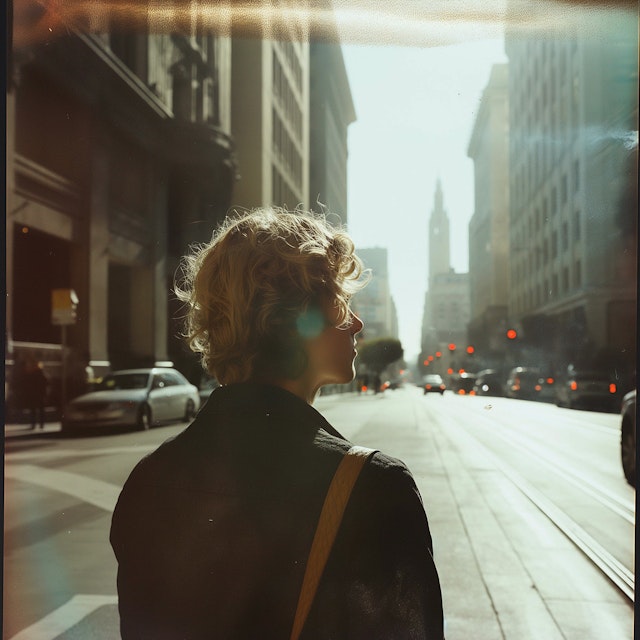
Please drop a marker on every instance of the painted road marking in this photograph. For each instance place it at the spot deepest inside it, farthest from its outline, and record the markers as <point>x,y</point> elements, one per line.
<point>78,453</point>
<point>64,617</point>
<point>103,495</point>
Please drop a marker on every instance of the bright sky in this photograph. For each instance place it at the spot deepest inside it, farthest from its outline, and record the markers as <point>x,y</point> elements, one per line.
<point>415,111</point>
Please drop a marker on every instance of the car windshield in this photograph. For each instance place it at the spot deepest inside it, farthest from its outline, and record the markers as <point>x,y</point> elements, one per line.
<point>122,381</point>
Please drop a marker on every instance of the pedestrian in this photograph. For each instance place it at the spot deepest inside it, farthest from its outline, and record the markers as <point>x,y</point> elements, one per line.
<point>34,390</point>
<point>212,531</point>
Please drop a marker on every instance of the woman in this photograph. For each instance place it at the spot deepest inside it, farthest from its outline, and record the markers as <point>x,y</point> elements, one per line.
<point>212,531</point>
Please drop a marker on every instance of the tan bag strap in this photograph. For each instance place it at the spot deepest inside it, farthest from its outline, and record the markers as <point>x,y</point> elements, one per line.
<point>333,508</point>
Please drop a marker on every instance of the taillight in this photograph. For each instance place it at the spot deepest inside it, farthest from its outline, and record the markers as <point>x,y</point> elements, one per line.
<point>472,392</point>
<point>538,387</point>
<point>612,388</point>
<point>550,380</point>
<point>428,387</point>
<point>461,392</point>
<point>573,385</point>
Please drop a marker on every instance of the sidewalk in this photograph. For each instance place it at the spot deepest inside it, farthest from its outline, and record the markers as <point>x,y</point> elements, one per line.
<point>24,430</point>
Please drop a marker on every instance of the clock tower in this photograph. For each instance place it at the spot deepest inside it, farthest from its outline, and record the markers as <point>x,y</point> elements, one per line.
<point>439,260</point>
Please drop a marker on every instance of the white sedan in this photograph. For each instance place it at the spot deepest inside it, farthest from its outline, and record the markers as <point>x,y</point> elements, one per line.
<point>134,397</point>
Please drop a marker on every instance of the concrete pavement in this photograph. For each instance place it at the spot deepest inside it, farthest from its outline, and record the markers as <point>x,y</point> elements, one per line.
<point>507,573</point>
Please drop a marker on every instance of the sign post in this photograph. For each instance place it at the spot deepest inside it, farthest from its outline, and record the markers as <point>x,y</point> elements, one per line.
<point>63,312</point>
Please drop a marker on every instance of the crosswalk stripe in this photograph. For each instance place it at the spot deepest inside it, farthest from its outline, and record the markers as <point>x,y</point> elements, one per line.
<point>96,492</point>
<point>52,454</point>
<point>64,617</point>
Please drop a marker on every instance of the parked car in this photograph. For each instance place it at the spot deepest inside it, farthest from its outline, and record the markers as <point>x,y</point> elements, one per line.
<point>433,383</point>
<point>489,382</point>
<point>545,388</point>
<point>521,383</point>
<point>463,383</point>
<point>628,437</point>
<point>393,384</point>
<point>588,389</point>
<point>134,398</point>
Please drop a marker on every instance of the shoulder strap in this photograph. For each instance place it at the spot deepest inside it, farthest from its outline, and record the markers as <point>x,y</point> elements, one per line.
<point>333,508</point>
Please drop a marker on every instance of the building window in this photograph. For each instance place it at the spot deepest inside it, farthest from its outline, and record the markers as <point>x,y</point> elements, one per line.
<point>565,236</point>
<point>576,175</point>
<point>554,244</point>
<point>564,189</point>
<point>565,279</point>
<point>576,225</point>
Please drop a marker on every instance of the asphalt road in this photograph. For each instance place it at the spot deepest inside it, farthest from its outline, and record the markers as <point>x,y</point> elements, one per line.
<point>506,484</point>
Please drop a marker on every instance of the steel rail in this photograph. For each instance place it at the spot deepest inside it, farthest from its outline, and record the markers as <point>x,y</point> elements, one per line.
<point>577,479</point>
<point>621,577</point>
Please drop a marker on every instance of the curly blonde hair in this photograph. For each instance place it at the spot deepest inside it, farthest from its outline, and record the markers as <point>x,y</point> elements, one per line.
<point>246,290</point>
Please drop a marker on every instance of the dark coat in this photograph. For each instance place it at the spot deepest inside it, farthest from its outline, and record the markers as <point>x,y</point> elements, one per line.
<point>212,532</point>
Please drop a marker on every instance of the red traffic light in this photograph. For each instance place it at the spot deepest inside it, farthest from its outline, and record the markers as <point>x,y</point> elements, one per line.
<point>452,347</point>
<point>470,349</point>
<point>511,334</point>
<point>430,358</point>
<point>438,354</point>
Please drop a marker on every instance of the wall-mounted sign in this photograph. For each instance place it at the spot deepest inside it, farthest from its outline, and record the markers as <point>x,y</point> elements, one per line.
<point>63,306</point>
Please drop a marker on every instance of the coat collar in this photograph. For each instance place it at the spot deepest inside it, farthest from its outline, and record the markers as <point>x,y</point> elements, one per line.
<point>264,401</point>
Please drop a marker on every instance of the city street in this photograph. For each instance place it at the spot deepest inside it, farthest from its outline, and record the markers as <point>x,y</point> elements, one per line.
<point>532,519</point>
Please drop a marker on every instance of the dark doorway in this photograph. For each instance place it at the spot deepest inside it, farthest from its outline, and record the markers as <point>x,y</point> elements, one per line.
<point>41,262</point>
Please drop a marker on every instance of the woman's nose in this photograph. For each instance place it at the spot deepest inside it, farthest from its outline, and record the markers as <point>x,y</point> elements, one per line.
<point>356,324</point>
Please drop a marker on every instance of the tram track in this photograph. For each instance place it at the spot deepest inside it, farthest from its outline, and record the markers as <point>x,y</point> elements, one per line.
<point>615,571</point>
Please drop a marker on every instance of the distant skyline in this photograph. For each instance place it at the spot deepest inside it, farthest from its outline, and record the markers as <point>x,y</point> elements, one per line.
<point>415,111</point>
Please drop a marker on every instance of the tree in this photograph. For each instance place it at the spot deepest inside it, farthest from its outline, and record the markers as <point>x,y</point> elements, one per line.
<point>380,353</point>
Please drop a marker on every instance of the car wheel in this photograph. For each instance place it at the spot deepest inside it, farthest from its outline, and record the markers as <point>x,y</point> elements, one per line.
<point>144,418</point>
<point>628,454</point>
<point>190,411</point>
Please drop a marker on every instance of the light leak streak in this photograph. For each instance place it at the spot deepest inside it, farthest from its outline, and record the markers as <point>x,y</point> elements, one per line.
<point>403,22</point>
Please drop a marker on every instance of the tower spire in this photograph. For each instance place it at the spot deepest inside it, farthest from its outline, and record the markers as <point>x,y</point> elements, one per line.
<point>439,259</point>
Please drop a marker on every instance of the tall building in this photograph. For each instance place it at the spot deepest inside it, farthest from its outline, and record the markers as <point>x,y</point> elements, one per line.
<point>270,97</point>
<point>489,225</point>
<point>331,113</point>
<point>119,155</point>
<point>439,240</point>
<point>446,308</point>
<point>374,303</point>
<point>573,119</point>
